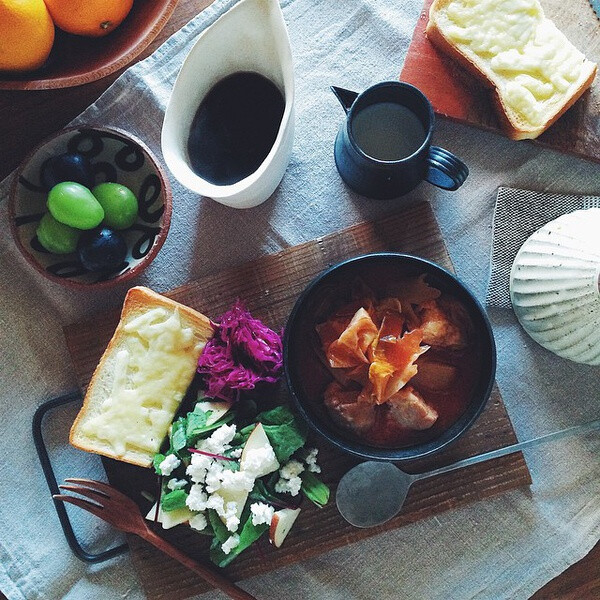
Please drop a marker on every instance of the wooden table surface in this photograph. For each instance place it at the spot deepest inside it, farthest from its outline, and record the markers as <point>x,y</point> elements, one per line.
<point>28,117</point>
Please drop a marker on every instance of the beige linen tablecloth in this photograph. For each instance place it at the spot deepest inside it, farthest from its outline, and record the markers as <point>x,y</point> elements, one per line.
<point>504,548</point>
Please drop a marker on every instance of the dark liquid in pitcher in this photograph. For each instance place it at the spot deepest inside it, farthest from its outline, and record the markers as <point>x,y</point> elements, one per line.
<point>387,131</point>
<point>235,128</point>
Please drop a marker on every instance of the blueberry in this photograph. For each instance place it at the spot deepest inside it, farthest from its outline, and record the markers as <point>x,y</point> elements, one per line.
<point>101,249</point>
<point>67,167</point>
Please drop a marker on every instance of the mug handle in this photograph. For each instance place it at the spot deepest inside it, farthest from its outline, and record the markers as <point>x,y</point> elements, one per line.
<point>446,171</point>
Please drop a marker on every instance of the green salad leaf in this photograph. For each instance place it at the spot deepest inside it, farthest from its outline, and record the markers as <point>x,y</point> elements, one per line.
<point>221,532</point>
<point>285,431</point>
<point>314,489</point>
<point>248,535</point>
<point>178,435</point>
<point>196,421</point>
<point>186,431</point>
<point>158,458</point>
<point>264,492</point>
<point>173,500</point>
<point>242,435</point>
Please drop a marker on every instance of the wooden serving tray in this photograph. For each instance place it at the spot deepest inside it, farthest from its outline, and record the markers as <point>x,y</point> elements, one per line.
<point>458,95</point>
<point>270,286</point>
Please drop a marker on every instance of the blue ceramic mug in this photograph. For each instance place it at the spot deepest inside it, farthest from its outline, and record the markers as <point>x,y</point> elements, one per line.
<point>383,149</point>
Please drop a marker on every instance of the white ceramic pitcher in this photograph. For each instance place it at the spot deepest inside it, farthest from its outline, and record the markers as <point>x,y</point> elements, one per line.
<point>251,36</point>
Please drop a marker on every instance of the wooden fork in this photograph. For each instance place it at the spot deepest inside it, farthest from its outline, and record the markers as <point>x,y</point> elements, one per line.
<point>123,513</point>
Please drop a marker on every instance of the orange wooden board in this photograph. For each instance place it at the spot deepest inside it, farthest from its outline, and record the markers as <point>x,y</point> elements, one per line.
<point>270,286</point>
<point>458,95</point>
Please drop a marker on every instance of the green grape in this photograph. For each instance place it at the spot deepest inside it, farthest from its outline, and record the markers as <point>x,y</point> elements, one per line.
<point>119,203</point>
<point>73,204</point>
<point>57,237</point>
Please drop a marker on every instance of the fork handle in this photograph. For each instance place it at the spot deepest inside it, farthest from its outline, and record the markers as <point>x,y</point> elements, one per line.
<point>209,575</point>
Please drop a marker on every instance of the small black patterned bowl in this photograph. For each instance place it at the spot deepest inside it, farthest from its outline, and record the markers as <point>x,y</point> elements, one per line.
<point>116,156</point>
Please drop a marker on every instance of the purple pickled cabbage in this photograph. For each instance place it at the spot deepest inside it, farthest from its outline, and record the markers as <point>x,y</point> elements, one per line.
<point>243,353</point>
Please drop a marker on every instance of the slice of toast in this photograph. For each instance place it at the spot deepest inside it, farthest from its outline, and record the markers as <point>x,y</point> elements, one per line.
<point>535,72</point>
<point>141,379</point>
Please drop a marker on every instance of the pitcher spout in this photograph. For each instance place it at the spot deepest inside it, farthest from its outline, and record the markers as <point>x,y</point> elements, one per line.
<point>346,97</point>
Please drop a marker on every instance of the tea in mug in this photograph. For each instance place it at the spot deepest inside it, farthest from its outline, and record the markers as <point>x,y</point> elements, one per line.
<point>387,131</point>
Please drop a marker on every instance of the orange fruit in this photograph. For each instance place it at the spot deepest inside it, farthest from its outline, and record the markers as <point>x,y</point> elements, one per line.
<point>26,34</point>
<point>93,18</point>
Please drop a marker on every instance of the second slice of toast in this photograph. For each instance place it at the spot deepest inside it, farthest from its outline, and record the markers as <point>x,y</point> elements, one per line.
<point>534,70</point>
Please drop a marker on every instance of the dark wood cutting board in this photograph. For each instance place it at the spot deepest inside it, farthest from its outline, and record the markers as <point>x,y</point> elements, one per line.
<point>270,286</point>
<point>458,95</point>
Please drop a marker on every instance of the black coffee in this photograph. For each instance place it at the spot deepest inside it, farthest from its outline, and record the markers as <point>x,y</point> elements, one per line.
<point>387,131</point>
<point>235,128</point>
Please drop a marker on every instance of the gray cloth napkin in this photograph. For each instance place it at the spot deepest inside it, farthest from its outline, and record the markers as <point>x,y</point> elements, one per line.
<point>518,214</point>
<point>503,548</point>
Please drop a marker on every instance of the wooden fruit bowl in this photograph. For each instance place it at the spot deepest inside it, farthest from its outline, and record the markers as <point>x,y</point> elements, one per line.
<point>76,60</point>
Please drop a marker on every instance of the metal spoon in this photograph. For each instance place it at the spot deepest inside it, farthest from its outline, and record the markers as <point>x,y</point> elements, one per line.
<point>390,485</point>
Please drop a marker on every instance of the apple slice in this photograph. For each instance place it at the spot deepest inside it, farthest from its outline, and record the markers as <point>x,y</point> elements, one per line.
<point>281,524</point>
<point>218,409</point>
<point>257,440</point>
<point>170,518</point>
<point>237,496</point>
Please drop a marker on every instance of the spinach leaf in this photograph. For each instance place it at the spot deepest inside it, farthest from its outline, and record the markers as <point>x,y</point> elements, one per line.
<point>173,500</point>
<point>314,489</point>
<point>221,532</point>
<point>280,415</point>
<point>196,420</point>
<point>241,437</point>
<point>285,432</point>
<point>197,426</point>
<point>262,493</point>
<point>178,437</point>
<point>158,458</point>
<point>248,535</point>
<point>186,431</point>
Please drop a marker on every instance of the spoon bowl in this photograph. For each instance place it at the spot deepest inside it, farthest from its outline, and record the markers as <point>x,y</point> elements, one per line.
<point>385,481</point>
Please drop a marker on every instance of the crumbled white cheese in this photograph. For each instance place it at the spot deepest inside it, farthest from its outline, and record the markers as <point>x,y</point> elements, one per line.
<point>261,513</point>
<point>293,468</point>
<point>236,480</point>
<point>230,515</point>
<point>176,484</point>
<point>198,522</point>
<point>197,498</point>
<point>197,473</point>
<point>216,502</point>
<point>213,477</point>
<point>232,523</point>
<point>169,463</point>
<point>311,460</point>
<point>236,453</point>
<point>219,441</point>
<point>261,460</point>
<point>230,543</point>
<point>289,486</point>
<point>201,461</point>
<point>289,478</point>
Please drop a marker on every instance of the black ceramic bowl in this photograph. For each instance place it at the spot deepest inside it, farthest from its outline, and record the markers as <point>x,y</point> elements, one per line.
<point>307,377</point>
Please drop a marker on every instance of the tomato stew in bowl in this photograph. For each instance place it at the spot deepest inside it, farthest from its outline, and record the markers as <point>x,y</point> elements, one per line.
<point>389,356</point>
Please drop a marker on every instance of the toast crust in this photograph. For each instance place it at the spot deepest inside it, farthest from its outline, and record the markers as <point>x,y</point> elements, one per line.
<point>138,300</point>
<point>512,127</point>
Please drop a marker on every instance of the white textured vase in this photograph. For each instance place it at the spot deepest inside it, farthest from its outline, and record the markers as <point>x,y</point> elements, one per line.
<point>251,36</point>
<point>554,286</point>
